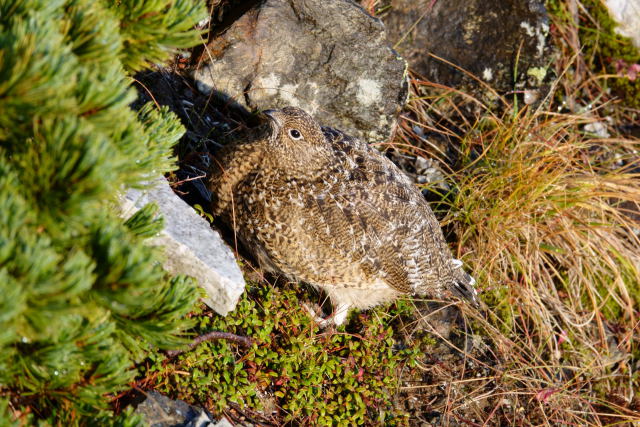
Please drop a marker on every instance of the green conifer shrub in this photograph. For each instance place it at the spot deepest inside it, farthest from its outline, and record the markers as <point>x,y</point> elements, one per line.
<point>81,295</point>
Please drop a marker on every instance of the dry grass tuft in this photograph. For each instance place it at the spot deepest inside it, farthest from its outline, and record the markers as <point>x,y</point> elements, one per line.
<point>547,216</point>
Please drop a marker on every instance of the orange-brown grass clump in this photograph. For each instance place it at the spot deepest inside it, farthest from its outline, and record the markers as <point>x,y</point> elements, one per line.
<point>547,216</point>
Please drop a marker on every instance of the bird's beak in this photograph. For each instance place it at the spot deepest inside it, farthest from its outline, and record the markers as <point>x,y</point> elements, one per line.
<point>274,117</point>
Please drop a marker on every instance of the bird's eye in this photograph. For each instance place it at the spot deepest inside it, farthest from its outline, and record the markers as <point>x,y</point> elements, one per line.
<point>295,133</point>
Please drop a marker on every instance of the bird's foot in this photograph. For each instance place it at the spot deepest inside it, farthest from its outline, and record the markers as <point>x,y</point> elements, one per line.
<point>336,319</point>
<point>314,311</point>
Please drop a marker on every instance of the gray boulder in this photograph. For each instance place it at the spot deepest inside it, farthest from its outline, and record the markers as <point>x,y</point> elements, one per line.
<point>327,57</point>
<point>191,246</point>
<point>492,39</point>
<point>160,411</point>
<point>627,14</point>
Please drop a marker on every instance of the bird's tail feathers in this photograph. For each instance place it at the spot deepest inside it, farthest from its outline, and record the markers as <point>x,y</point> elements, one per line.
<point>463,284</point>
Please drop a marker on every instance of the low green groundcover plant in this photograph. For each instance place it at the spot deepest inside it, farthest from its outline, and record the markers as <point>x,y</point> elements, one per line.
<point>303,374</point>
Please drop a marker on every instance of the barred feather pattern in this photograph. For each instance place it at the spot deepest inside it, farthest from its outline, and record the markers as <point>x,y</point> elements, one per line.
<point>324,208</point>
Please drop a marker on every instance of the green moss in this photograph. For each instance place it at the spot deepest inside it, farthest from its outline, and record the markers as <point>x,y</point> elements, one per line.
<point>602,48</point>
<point>499,301</point>
<point>310,376</point>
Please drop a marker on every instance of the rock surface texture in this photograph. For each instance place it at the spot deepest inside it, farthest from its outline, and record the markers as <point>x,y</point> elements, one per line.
<point>191,246</point>
<point>327,57</point>
<point>160,411</point>
<point>627,15</point>
<point>489,38</point>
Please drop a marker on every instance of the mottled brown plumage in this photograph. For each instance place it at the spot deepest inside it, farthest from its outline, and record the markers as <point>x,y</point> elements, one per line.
<point>323,208</point>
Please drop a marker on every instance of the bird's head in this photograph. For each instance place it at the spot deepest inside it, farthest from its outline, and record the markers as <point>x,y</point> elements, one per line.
<point>292,131</point>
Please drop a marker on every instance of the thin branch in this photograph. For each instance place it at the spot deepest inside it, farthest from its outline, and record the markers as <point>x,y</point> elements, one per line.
<point>210,336</point>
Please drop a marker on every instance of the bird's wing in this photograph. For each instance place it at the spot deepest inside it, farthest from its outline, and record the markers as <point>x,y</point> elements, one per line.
<point>367,214</point>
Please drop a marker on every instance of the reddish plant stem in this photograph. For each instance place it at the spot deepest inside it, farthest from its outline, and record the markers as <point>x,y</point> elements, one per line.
<point>210,336</point>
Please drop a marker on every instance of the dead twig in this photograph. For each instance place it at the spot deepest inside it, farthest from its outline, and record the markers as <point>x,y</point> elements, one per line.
<point>210,336</point>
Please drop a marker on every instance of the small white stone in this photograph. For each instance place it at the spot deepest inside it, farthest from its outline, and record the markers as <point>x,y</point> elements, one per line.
<point>487,74</point>
<point>531,96</point>
<point>599,129</point>
<point>627,14</point>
